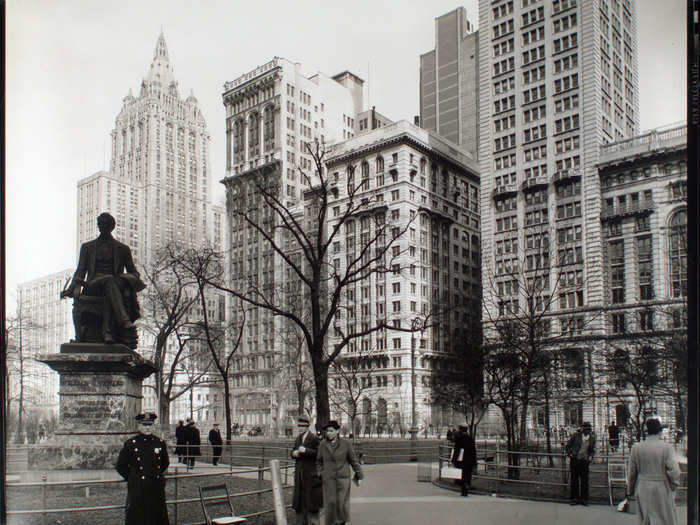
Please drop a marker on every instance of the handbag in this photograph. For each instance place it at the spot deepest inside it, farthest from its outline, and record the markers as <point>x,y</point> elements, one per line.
<point>622,506</point>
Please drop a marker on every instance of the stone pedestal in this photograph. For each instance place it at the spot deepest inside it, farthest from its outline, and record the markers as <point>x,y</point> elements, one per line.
<point>99,396</point>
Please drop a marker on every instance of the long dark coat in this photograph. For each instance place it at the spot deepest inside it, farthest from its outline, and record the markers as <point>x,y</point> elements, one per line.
<point>216,442</point>
<point>180,449</point>
<point>464,446</point>
<point>308,495</point>
<point>192,441</point>
<point>334,461</point>
<point>142,462</point>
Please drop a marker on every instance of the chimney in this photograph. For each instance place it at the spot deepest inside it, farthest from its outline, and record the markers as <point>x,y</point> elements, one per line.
<point>374,118</point>
<point>416,120</point>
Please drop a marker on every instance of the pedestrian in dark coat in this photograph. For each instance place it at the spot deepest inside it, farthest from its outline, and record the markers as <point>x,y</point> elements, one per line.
<point>654,475</point>
<point>142,462</point>
<point>216,442</point>
<point>192,442</point>
<point>308,495</point>
<point>180,448</point>
<point>613,436</point>
<point>580,449</point>
<point>335,457</point>
<point>464,457</point>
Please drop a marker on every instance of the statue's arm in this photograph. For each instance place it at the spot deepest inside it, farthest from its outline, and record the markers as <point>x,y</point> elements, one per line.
<point>129,262</point>
<point>79,274</point>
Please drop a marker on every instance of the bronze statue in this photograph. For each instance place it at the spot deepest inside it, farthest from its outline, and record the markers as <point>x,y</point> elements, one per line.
<point>108,292</point>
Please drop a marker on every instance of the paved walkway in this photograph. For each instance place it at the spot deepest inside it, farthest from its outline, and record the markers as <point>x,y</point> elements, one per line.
<point>390,495</point>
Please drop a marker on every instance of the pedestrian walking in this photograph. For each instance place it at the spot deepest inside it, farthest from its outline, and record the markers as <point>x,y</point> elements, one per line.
<point>192,443</point>
<point>308,494</point>
<point>580,449</point>
<point>180,448</point>
<point>464,457</point>
<point>142,462</point>
<point>654,475</point>
<point>335,457</point>
<point>613,436</point>
<point>216,442</point>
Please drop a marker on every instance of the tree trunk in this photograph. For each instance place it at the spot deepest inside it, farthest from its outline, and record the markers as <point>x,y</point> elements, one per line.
<point>547,422</point>
<point>164,409</point>
<point>323,410</point>
<point>227,407</point>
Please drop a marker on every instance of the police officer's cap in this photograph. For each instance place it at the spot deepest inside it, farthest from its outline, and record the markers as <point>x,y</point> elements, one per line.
<point>147,417</point>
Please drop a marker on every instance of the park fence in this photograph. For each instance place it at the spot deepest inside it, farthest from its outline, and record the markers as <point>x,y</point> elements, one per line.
<point>182,498</point>
<point>532,474</point>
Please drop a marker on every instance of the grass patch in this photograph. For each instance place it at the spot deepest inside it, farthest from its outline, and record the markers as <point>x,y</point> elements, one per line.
<point>22,498</point>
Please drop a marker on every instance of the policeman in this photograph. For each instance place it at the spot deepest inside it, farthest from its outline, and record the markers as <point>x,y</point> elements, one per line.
<point>142,462</point>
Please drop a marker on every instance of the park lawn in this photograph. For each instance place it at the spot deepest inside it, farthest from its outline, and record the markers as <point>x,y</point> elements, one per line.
<point>21,498</point>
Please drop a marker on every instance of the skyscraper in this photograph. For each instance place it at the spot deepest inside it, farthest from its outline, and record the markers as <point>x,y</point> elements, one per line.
<point>159,185</point>
<point>449,82</point>
<point>271,113</point>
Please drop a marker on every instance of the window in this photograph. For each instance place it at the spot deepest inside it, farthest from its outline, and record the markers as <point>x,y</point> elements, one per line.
<point>644,265</point>
<point>646,320</point>
<point>678,254</point>
<point>616,259</point>
<point>618,323</point>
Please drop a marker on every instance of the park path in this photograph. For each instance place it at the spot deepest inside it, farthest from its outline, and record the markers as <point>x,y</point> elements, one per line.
<point>390,495</point>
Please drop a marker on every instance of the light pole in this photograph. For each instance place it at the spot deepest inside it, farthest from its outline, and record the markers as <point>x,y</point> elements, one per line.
<point>415,325</point>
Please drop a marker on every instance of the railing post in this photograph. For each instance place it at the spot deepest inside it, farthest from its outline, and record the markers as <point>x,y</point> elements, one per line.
<point>176,497</point>
<point>44,477</point>
<point>278,502</point>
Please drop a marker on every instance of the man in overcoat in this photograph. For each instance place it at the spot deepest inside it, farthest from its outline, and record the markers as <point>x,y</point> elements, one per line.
<point>654,474</point>
<point>216,442</point>
<point>580,449</point>
<point>192,443</point>
<point>464,457</point>
<point>335,457</point>
<point>308,496</point>
<point>111,274</point>
<point>180,448</point>
<point>142,462</point>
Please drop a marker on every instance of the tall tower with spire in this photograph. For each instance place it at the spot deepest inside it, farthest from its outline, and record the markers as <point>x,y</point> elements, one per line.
<point>159,184</point>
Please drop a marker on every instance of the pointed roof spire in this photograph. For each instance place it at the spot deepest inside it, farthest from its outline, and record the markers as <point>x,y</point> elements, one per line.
<point>161,47</point>
<point>161,70</point>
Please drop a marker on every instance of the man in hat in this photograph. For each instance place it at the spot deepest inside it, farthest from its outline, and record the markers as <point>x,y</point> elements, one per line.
<point>216,442</point>
<point>192,443</point>
<point>464,457</point>
<point>142,462</point>
<point>335,457</point>
<point>180,448</point>
<point>307,484</point>
<point>580,449</point>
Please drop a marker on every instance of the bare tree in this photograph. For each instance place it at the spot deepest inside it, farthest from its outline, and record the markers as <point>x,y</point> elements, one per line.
<point>523,350</point>
<point>169,306</point>
<point>20,330</point>
<point>301,238</point>
<point>205,266</point>
<point>462,387</point>
<point>353,380</point>
<point>294,368</point>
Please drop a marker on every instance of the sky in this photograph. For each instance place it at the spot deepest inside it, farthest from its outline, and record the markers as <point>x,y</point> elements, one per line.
<point>70,63</point>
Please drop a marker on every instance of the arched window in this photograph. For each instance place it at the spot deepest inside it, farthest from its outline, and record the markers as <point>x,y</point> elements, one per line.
<point>422,166</point>
<point>365,169</point>
<point>253,135</point>
<point>269,128</point>
<point>380,164</point>
<point>678,254</point>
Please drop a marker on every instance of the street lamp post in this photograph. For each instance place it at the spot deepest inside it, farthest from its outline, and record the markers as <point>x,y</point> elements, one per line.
<point>415,325</point>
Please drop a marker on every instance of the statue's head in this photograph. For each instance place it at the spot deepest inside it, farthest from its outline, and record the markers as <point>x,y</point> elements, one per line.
<point>105,223</point>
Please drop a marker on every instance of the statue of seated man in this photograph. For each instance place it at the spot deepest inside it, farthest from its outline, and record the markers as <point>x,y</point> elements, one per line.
<point>111,275</point>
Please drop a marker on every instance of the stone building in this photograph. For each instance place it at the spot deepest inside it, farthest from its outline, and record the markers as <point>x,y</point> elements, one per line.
<point>47,322</point>
<point>272,113</point>
<point>449,82</point>
<point>427,190</point>
<point>644,224</point>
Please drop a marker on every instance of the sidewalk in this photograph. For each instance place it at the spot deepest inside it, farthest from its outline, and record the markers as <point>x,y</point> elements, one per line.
<point>390,495</point>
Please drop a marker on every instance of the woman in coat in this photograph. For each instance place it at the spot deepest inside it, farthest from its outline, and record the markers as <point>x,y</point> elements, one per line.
<point>654,474</point>
<point>335,457</point>
<point>464,457</point>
